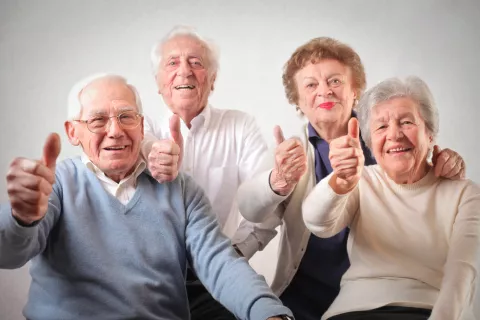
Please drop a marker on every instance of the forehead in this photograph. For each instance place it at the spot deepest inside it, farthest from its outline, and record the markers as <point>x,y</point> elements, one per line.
<point>184,45</point>
<point>323,68</point>
<point>395,108</point>
<point>107,95</point>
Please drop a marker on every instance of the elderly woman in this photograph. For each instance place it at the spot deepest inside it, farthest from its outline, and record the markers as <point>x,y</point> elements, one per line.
<point>414,237</point>
<point>323,79</point>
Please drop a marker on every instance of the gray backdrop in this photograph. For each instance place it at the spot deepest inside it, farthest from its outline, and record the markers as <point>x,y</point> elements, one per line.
<point>45,46</point>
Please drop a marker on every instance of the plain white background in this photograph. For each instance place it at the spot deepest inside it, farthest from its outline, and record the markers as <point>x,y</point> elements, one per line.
<point>45,46</point>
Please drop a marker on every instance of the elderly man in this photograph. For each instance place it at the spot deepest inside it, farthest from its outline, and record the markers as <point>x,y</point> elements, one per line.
<point>106,240</point>
<point>221,148</point>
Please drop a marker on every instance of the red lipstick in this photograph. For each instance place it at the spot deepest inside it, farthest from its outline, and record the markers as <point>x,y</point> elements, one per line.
<point>327,105</point>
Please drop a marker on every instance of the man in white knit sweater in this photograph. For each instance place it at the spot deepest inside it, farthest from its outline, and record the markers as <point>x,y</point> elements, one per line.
<point>414,239</point>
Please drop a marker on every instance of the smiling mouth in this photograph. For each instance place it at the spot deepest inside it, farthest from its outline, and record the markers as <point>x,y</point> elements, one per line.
<point>185,87</point>
<point>398,150</point>
<point>115,148</point>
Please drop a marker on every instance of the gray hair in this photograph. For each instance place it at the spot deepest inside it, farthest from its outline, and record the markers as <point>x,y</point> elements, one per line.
<point>187,31</point>
<point>413,88</point>
<point>74,105</point>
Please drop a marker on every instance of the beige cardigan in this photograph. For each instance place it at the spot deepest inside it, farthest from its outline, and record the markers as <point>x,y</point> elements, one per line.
<point>258,203</point>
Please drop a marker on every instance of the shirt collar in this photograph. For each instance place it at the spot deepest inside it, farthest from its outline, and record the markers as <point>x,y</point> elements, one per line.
<point>201,120</point>
<point>139,167</point>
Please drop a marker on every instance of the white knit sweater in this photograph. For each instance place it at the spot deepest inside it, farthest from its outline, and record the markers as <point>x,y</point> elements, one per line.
<point>410,245</point>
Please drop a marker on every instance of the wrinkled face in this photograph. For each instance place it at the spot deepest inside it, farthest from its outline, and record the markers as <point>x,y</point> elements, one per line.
<point>400,139</point>
<point>325,90</point>
<point>183,78</point>
<point>115,150</point>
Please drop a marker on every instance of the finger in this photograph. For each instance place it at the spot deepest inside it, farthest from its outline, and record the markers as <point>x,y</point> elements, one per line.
<point>341,142</point>
<point>164,147</point>
<point>456,173</point>
<point>175,131</point>
<point>450,168</point>
<point>163,170</point>
<point>344,154</point>
<point>163,159</point>
<point>353,128</point>
<point>29,168</point>
<point>436,151</point>
<point>349,163</point>
<point>442,159</point>
<point>278,134</point>
<point>51,151</point>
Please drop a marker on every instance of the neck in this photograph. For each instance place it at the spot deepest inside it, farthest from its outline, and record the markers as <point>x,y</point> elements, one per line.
<point>187,115</point>
<point>412,176</point>
<point>331,130</point>
<point>119,176</point>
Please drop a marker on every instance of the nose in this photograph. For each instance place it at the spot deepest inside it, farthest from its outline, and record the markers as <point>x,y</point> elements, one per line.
<point>395,132</point>
<point>184,69</point>
<point>323,89</point>
<point>114,130</point>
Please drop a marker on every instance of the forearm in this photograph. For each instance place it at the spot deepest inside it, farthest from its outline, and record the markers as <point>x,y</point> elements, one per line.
<point>252,237</point>
<point>18,244</point>
<point>325,212</point>
<point>256,200</point>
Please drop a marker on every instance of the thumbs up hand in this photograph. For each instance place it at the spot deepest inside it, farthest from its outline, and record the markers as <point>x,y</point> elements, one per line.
<point>166,155</point>
<point>30,183</point>
<point>347,159</point>
<point>290,163</point>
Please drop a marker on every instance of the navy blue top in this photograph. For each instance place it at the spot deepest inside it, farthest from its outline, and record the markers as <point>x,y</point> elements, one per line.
<point>317,281</point>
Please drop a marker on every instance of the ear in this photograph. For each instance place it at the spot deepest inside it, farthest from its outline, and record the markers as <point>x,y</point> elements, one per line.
<point>71,133</point>
<point>212,81</point>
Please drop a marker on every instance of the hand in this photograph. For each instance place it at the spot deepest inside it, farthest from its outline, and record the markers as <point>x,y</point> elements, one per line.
<point>290,163</point>
<point>30,182</point>
<point>448,164</point>
<point>346,158</point>
<point>165,158</point>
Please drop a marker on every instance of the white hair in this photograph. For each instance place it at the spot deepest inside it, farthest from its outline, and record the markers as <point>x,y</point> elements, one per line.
<point>413,88</point>
<point>74,104</point>
<point>212,49</point>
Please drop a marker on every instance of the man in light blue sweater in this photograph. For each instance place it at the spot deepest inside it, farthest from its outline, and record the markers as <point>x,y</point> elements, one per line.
<point>106,240</point>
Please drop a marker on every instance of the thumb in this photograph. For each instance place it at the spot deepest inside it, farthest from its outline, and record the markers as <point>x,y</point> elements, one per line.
<point>278,134</point>
<point>175,132</point>
<point>51,150</point>
<point>436,151</point>
<point>353,128</point>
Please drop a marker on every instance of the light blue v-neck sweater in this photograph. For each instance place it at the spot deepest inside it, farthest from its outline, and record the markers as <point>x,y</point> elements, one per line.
<point>95,258</point>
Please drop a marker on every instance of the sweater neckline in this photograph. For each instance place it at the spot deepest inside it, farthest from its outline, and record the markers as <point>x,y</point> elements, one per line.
<point>427,180</point>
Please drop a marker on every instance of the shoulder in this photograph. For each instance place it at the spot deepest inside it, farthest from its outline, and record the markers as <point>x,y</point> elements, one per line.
<point>70,167</point>
<point>466,188</point>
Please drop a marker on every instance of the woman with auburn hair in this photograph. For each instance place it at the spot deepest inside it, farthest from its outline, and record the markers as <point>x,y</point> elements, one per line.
<point>324,79</point>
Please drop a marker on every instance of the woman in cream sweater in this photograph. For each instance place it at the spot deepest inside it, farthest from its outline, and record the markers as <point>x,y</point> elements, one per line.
<point>414,237</point>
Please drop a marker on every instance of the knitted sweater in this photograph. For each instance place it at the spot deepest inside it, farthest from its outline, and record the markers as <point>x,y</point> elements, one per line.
<point>410,245</point>
<point>95,258</point>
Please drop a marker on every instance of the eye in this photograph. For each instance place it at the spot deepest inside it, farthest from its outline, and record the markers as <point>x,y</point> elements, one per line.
<point>381,127</point>
<point>407,122</point>
<point>335,82</point>
<point>97,122</point>
<point>172,63</point>
<point>311,85</point>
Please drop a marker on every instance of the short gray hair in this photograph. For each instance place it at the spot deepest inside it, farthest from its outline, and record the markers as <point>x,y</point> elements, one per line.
<point>74,104</point>
<point>213,51</point>
<point>412,87</point>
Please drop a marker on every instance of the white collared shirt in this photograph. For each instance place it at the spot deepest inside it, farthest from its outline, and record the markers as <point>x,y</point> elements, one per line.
<point>222,149</point>
<point>122,190</point>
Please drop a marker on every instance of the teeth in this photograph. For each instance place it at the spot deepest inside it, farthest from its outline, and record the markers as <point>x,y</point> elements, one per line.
<point>398,149</point>
<point>116,148</point>
<point>185,87</point>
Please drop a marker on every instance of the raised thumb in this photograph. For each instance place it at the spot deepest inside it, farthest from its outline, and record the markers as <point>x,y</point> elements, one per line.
<point>353,128</point>
<point>175,132</point>
<point>278,134</point>
<point>436,151</point>
<point>51,150</point>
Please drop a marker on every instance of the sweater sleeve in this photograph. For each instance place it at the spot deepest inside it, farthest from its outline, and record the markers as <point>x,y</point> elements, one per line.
<point>326,213</point>
<point>19,244</point>
<point>457,292</point>
<point>256,199</point>
<point>228,277</point>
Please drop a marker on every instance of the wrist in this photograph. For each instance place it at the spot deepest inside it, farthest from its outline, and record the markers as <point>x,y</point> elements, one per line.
<point>23,222</point>
<point>281,188</point>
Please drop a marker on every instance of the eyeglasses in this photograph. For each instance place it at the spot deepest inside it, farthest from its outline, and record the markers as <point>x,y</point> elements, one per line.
<point>127,120</point>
